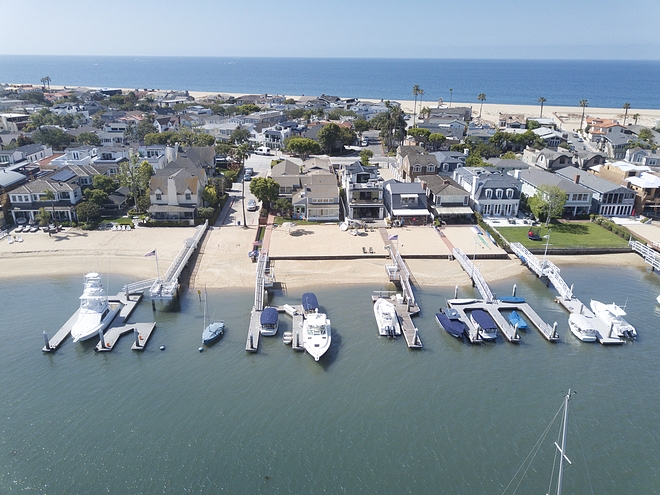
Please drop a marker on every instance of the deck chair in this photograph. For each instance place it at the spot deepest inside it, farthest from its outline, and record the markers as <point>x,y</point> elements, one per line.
<point>364,250</point>
<point>371,250</point>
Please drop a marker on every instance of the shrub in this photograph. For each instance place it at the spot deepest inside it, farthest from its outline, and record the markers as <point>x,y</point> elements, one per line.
<point>205,212</point>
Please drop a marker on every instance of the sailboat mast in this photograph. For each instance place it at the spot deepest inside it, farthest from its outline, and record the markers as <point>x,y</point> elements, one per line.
<point>562,449</point>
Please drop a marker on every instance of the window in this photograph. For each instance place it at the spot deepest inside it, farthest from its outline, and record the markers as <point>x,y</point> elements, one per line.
<point>509,193</point>
<point>430,168</point>
<point>489,193</point>
<point>445,167</point>
<point>417,168</point>
<point>188,196</point>
<point>159,197</point>
<point>499,193</point>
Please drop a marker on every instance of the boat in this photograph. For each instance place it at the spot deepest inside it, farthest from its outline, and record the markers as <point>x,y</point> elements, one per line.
<point>386,318</point>
<point>512,300</point>
<point>214,330</point>
<point>309,303</point>
<point>450,322</point>
<point>485,324</point>
<point>612,315</point>
<point>462,301</point>
<point>269,322</point>
<point>517,321</point>
<point>95,313</point>
<point>317,334</point>
<point>658,299</point>
<point>582,327</point>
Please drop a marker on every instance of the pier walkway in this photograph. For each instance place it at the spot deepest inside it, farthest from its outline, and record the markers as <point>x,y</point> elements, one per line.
<point>264,280</point>
<point>474,274</point>
<point>167,286</point>
<point>650,255</point>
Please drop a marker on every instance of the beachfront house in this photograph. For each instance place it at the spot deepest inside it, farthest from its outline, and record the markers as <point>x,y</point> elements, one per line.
<point>176,193</point>
<point>318,199</point>
<point>412,161</point>
<point>27,199</point>
<point>406,203</point>
<point>608,199</point>
<point>584,159</point>
<point>491,192</point>
<point>578,197</point>
<point>448,201</point>
<point>363,186</point>
<point>24,155</point>
<point>547,159</point>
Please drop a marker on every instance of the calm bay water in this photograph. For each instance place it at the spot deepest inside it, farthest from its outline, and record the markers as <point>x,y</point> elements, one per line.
<point>561,82</point>
<point>371,417</point>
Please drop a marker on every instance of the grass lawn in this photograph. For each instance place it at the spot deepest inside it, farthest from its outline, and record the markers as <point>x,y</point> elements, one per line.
<point>565,235</point>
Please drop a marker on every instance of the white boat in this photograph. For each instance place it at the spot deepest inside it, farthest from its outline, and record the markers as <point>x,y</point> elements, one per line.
<point>582,327</point>
<point>386,318</point>
<point>612,315</point>
<point>95,314</point>
<point>484,324</point>
<point>269,321</point>
<point>214,330</point>
<point>317,334</point>
<point>658,299</point>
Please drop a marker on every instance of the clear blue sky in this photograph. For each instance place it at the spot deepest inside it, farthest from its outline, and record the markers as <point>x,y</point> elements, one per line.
<point>561,29</point>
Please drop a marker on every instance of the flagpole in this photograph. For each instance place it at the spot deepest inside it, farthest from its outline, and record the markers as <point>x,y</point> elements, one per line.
<point>157,270</point>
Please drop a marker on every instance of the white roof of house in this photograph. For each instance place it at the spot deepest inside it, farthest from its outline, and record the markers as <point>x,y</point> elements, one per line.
<point>645,180</point>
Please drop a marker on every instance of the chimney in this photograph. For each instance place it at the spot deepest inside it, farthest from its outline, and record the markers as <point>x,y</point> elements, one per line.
<point>577,178</point>
<point>466,151</point>
<point>445,182</point>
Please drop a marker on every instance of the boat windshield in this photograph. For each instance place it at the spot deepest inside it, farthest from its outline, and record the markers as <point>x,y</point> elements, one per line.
<point>92,303</point>
<point>316,329</point>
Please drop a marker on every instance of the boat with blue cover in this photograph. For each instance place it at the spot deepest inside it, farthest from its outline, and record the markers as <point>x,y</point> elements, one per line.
<point>512,300</point>
<point>517,321</point>
<point>309,303</point>
<point>269,322</point>
<point>449,321</point>
<point>214,330</point>
<point>484,323</point>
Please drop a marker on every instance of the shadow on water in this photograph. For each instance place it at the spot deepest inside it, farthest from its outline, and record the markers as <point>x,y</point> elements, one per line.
<point>331,354</point>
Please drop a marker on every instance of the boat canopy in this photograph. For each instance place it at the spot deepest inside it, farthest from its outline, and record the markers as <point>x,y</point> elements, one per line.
<point>309,302</point>
<point>483,319</point>
<point>512,299</point>
<point>454,327</point>
<point>269,316</point>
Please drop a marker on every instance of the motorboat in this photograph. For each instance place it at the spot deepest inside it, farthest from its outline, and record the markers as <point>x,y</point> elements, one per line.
<point>95,313</point>
<point>309,303</point>
<point>386,318</point>
<point>484,323</point>
<point>214,330</point>
<point>612,315</point>
<point>450,322</point>
<point>317,334</point>
<point>512,300</point>
<point>582,327</point>
<point>269,322</point>
<point>517,321</point>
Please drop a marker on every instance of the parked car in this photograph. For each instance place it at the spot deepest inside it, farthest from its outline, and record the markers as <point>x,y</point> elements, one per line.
<point>252,205</point>
<point>262,150</point>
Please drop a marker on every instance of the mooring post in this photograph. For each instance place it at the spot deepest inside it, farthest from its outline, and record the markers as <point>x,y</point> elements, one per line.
<point>456,292</point>
<point>515,287</point>
<point>153,305</point>
<point>102,338</point>
<point>46,341</point>
<point>136,334</point>
<point>554,330</point>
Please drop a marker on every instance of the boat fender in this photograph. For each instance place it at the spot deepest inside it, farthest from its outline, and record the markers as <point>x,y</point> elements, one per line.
<point>201,349</point>
<point>107,344</point>
<point>162,347</point>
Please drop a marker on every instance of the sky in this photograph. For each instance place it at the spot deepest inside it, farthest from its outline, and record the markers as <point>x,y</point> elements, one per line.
<point>527,29</point>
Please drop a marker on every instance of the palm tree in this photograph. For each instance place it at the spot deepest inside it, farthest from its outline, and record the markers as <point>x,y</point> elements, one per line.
<point>49,195</point>
<point>541,101</point>
<point>46,80</point>
<point>626,106</point>
<point>421,96</point>
<point>415,92</point>
<point>584,104</point>
<point>451,92</point>
<point>43,82</point>
<point>636,116</point>
<point>241,153</point>
<point>481,98</point>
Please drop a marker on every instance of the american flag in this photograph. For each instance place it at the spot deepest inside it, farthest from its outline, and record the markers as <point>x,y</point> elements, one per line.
<point>150,253</point>
<point>393,237</point>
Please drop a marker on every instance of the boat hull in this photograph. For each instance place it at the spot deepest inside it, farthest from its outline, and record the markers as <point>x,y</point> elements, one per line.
<point>317,335</point>
<point>386,318</point>
<point>213,332</point>
<point>582,328</point>
<point>82,331</point>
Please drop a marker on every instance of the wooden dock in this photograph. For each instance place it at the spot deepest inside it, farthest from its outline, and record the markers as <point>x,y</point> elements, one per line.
<point>603,333</point>
<point>254,331</point>
<point>142,332</point>
<point>405,311</point>
<point>297,315</point>
<point>549,332</point>
<point>462,306</point>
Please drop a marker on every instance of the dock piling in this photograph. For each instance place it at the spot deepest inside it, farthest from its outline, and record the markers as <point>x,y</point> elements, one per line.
<point>136,334</point>
<point>47,348</point>
<point>513,293</point>
<point>101,339</point>
<point>456,292</point>
<point>554,330</point>
<point>153,305</point>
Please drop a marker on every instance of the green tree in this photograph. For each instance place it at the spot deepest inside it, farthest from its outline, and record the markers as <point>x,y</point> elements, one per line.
<point>532,124</point>
<point>420,135</point>
<point>97,196</point>
<point>436,140</point>
<point>509,155</point>
<point>365,155</point>
<point>304,147</point>
<point>547,203</point>
<point>210,195</point>
<point>636,116</point>
<point>104,183</point>
<point>360,125</point>
<point>239,136</point>
<point>43,217</point>
<point>89,138</point>
<point>346,136</point>
<point>52,136</point>
<point>626,107</point>
<point>282,204</point>
<point>391,124</point>
<point>144,127</point>
<point>584,104</point>
<point>541,101</point>
<point>338,113</point>
<point>329,137</point>
<point>475,160</point>
<point>97,121</point>
<point>646,135</point>
<point>135,176</point>
<point>88,211</point>
<point>481,98</point>
<point>265,189</point>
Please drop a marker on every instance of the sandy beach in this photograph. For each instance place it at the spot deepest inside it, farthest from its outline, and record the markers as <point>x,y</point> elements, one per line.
<point>223,260</point>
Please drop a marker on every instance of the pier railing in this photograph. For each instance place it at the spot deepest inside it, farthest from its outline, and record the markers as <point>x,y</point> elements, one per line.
<point>650,255</point>
<point>543,268</point>
<point>404,276</point>
<point>474,274</point>
<point>259,287</point>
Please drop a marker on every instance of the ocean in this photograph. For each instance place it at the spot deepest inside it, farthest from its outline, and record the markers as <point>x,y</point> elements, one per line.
<point>371,417</point>
<point>607,84</point>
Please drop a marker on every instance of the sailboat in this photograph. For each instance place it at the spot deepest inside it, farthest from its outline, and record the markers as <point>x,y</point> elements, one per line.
<point>214,330</point>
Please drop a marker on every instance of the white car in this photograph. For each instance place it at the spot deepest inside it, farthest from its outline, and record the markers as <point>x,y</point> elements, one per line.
<point>252,205</point>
